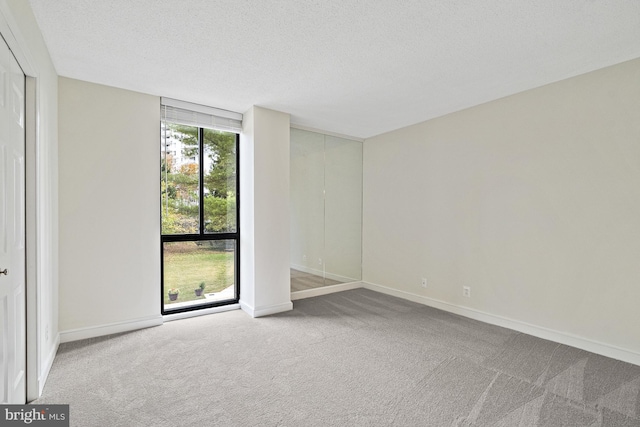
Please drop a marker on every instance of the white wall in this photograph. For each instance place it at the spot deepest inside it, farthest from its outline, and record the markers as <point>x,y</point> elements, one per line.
<point>109,209</point>
<point>20,30</point>
<point>532,200</point>
<point>264,212</point>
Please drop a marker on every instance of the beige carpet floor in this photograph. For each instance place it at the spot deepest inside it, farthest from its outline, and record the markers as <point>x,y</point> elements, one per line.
<point>354,358</point>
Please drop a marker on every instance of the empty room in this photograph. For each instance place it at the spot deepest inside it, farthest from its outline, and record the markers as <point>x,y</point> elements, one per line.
<point>298,213</point>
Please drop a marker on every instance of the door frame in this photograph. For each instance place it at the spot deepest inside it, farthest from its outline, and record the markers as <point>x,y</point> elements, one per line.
<point>12,35</point>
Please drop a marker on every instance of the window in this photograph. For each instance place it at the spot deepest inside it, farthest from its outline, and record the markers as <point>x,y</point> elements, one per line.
<point>200,205</point>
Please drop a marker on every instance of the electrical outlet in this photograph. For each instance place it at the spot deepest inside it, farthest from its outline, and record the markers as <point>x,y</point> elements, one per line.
<point>466,291</point>
<point>304,258</point>
<point>424,282</point>
<point>319,261</point>
<point>46,333</point>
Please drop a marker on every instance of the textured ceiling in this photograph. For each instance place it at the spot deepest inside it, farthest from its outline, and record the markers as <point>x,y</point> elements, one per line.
<point>358,68</point>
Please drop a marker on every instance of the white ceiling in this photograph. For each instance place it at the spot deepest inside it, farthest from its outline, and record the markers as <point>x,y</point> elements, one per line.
<point>354,67</point>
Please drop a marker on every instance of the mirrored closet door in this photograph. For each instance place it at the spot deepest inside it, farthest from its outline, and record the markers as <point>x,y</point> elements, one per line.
<point>326,210</point>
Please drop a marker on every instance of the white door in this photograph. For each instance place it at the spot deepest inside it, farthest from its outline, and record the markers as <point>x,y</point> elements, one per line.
<point>12,230</point>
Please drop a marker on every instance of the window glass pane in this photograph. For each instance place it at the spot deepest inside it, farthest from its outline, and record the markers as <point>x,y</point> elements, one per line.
<point>180,179</point>
<point>219,181</point>
<point>200,271</point>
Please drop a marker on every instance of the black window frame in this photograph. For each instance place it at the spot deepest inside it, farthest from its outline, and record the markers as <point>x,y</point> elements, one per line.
<point>201,235</point>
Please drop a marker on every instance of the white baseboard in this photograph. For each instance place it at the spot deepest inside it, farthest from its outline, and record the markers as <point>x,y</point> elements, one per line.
<point>266,310</point>
<point>324,290</point>
<point>47,364</point>
<point>200,312</point>
<point>324,274</point>
<point>537,331</point>
<point>111,328</point>
<point>338,278</point>
<point>307,270</point>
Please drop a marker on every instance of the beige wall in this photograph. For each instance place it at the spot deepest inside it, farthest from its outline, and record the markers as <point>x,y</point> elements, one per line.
<point>109,206</point>
<point>532,200</point>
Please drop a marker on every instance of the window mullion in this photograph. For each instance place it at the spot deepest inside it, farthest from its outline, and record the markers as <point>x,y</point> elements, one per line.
<point>201,177</point>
